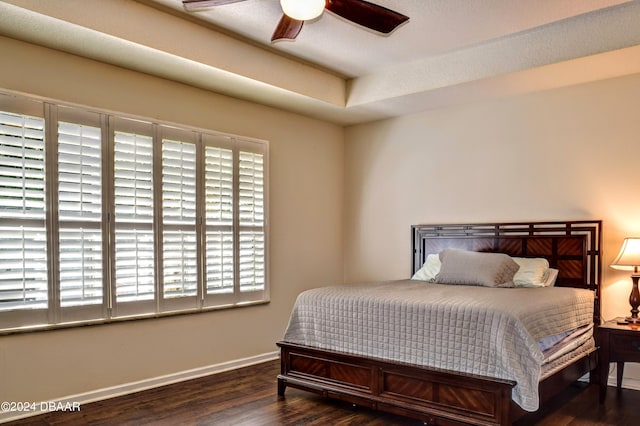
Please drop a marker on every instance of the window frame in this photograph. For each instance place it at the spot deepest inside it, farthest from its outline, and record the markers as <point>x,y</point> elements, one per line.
<point>110,309</point>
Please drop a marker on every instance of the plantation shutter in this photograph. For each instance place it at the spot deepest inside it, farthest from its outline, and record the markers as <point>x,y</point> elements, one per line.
<point>252,231</point>
<point>219,219</point>
<point>235,220</point>
<point>179,239</point>
<point>80,213</point>
<point>114,217</point>
<point>135,289</point>
<point>23,237</point>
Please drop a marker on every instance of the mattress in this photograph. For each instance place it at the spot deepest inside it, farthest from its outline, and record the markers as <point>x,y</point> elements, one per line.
<point>478,330</point>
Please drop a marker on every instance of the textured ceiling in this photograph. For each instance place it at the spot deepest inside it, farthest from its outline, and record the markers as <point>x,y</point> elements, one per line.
<point>435,27</point>
<point>449,52</point>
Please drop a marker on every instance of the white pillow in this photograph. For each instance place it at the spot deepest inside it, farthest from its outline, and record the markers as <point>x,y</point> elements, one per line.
<point>429,270</point>
<point>533,272</point>
<point>551,277</point>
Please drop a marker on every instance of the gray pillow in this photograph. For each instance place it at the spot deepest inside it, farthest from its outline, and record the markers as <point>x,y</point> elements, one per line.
<point>476,268</point>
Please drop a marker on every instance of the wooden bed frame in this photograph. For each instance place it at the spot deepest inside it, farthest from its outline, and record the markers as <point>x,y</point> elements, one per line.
<point>441,397</point>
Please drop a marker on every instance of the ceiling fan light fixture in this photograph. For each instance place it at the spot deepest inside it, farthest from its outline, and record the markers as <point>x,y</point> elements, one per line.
<point>302,10</point>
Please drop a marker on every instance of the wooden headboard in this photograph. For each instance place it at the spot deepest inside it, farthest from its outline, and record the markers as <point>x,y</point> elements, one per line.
<point>571,247</point>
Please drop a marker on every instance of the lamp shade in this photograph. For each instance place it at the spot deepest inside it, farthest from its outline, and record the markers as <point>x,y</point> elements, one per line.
<point>629,257</point>
<point>302,10</point>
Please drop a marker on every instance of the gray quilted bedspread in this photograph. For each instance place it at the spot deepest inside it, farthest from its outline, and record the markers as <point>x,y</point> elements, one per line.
<point>478,330</point>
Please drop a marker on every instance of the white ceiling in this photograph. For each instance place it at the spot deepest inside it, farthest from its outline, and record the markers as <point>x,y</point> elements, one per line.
<point>450,51</point>
<point>435,27</point>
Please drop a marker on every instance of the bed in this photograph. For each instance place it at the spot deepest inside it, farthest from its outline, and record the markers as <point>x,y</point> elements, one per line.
<point>397,375</point>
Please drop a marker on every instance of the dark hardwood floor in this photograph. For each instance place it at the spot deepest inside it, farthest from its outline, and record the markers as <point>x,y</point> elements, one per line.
<point>248,397</point>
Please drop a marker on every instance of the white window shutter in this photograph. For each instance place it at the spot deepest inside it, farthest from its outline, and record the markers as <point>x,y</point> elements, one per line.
<point>23,238</point>
<point>120,217</point>
<point>219,220</point>
<point>80,214</point>
<point>22,177</point>
<point>180,261</point>
<point>251,189</point>
<point>23,268</point>
<point>79,172</point>
<point>252,237</point>
<point>134,215</point>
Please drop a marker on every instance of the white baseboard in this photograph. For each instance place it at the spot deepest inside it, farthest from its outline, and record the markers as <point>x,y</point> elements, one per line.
<point>627,382</point>
<point>127,388</point>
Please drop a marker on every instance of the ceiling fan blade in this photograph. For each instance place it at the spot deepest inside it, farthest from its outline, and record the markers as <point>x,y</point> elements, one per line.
<point>367,14</point>
<point>287,29</point>
<point>201,4</point>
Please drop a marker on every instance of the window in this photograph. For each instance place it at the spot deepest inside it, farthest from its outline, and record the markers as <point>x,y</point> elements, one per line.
<point>105,217</point>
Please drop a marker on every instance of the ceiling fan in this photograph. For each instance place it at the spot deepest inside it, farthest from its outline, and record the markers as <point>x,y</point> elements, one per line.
<point>361,12</point>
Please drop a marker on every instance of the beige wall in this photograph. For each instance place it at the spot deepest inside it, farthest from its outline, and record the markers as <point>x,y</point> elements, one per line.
<point>565,154</point>
<point>306,157</point>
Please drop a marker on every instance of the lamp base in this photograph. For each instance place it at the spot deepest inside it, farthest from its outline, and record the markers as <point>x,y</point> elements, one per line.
<point>634,300</point>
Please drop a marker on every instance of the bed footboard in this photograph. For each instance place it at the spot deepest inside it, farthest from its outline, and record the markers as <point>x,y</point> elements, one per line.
<point>436,397</point>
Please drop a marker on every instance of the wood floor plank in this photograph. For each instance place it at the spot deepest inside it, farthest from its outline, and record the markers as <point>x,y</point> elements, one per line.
<point>247,397</point>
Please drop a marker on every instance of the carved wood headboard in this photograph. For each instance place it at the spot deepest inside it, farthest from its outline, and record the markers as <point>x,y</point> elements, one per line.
<point>571,247</point>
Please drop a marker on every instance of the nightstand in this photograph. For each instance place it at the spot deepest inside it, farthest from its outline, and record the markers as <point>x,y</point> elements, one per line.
<point>619,343</point>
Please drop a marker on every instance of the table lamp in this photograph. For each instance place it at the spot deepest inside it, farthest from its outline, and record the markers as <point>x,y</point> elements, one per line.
<point>629,260</point>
